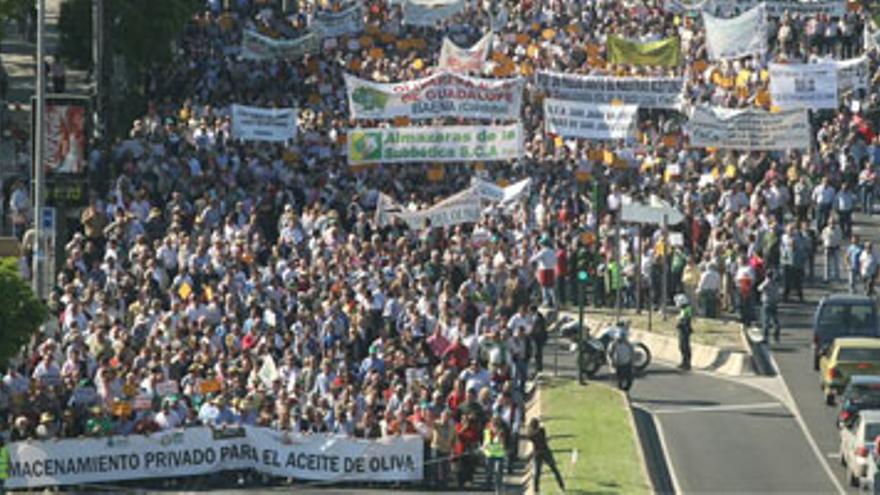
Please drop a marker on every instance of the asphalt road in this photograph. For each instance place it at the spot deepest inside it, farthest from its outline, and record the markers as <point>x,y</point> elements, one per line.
<point>707,434</point>
<point>793,358</point>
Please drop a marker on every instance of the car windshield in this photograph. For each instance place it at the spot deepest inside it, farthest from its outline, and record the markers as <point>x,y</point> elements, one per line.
<point>872,431</point>
<point>848,319</point>
<point>858,354</point>
<point>865,396</point>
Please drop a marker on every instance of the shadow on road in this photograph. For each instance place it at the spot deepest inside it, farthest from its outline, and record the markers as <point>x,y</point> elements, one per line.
<point>653,451</point>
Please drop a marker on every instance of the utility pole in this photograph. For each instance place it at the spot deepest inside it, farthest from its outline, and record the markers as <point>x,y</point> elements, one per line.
<point>619,301</point>
<point>664,287</point>
<point>98,63</point>
<point>39,149</point>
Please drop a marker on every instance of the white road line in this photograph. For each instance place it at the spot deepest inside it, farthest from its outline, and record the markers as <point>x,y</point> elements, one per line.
<point>719,408</point>
<point>670,466</point>
<point>833,455</point>
<point>803,424</point>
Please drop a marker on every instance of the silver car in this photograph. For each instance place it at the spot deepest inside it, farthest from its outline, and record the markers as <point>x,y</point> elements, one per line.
<point>857,445</point>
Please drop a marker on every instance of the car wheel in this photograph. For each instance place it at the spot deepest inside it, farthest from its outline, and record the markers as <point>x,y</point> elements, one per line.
<point>815,362</point>
<point>829,398</point>
<point>853,479</point>
<point>842,459</point>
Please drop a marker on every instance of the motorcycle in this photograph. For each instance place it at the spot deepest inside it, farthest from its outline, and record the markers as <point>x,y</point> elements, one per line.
<point>593,351</point>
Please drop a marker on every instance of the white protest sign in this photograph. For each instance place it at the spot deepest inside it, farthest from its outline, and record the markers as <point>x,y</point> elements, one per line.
<point>459,209</point>
<point>489,191</point>
<point>444,94</point>
<point>435,144</point>
<point>465,60</point>
<point>737,37</point>
<point>853,75</point>
<point>803,85</point>
<point>429,12</point>
<point>334,24</point>
<point>775,8</point>
<point>646,92</point>
<point>588,120</point>
<point>200,451</point>
<point>749,129</point>
<point>652,214</point>
<point>263,124</point>
<point>255,46</point>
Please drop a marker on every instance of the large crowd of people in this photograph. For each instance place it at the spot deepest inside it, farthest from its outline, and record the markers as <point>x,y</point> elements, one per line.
<point>220,282</point>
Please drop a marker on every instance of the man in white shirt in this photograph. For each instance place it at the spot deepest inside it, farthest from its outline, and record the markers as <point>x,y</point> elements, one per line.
<point>832,237</point>
<point>844,202</point>
<point>823,199</point>
<point>707,290</point>
<point>545,259</point>
<point>868,267</point>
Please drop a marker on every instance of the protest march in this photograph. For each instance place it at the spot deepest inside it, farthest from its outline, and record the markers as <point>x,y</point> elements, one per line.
<point>325,251</point>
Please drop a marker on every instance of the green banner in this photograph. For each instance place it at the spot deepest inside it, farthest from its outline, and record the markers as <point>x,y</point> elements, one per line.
<point>665,53</point>
<point>435,144</point>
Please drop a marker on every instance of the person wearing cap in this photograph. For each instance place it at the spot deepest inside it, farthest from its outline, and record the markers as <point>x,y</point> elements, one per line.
<point>685,330</point>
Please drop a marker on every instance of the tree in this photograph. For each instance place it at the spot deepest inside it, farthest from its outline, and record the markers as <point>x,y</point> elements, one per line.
<point>21,312</point>
<point>13,9</point>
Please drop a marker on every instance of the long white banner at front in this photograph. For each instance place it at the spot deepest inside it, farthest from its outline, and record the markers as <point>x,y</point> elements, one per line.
<point>458,209</point>
<point>463,143</point>
<point>646,92</point>
<point>201,451</point>
<point>588,120</point>
<point>804,85</point>
<point>444,94</point>
<point>749,129</point>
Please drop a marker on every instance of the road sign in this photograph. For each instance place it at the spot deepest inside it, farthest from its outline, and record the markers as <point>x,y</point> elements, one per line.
<point>642,213</point>
<point>48,219</point>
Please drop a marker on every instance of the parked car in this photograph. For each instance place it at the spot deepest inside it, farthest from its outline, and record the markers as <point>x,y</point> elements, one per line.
<point>857,445</point>
<point>862,392</point>
<point>842,315</point>
<point>847,356</point>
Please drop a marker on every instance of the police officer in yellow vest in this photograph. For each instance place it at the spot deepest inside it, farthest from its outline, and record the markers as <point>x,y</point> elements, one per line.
<point>495,452</point>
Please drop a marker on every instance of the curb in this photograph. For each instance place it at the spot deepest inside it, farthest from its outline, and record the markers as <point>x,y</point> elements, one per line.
<point>533,410</point>
<point>640,447</point>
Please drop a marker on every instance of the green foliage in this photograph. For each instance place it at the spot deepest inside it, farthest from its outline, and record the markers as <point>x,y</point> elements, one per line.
<point>12,9</point>
<point>75,29</point>
<point>21,312</point>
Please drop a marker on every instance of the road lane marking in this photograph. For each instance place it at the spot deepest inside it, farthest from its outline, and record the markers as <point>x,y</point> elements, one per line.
<point>720,408</point>
<point>793,407</point>
<point>833,455</point>
<point>670,466</point>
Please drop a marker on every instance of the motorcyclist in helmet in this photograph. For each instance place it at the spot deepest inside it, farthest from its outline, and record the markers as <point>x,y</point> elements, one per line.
<point>621,354</point>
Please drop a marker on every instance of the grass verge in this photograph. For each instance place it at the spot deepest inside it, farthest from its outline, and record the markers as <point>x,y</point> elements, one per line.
<point>715,332</point>
<point>592,419</point>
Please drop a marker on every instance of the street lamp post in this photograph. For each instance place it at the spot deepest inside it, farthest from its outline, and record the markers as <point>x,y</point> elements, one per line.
<point>39,149</point>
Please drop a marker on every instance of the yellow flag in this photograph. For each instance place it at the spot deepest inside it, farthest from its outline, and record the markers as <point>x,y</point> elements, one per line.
<point>184,291</point>
<point>664,53</point>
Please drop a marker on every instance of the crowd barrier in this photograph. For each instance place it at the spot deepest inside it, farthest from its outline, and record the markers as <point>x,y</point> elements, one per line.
<point>200,451</point>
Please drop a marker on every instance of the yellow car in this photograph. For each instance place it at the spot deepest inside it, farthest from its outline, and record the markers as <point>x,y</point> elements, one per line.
<point>848,356</point>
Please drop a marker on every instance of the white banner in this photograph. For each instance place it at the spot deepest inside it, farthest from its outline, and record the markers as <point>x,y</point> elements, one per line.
<point>803,85</point>
<point>646,92</point>
<point>444,94</point>
<point>749,129</point>
<point>852,75</point>
<point>458,209</point>
<point>334,24</point>
<point>201,451</point>
<point>737,37</point>
<point>429,12</point>
<point>255,46</point>
<point>435,144</point>
<point>466,60</point>
<point>588,120</point>
<point>489,191</point>
<point>775,8</point>
<point>263,124</point>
